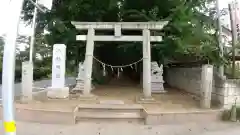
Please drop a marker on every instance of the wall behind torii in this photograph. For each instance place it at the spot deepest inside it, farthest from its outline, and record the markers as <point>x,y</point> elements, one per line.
<point>187,79</point>
<point>224,92</point>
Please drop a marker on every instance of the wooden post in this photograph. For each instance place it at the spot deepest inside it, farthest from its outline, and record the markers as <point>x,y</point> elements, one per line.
<point>146,64</point>
<point>89,62</point>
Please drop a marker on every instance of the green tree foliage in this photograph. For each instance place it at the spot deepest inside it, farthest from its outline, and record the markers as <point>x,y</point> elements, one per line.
<point>1,51</point>
<point>1,41</point>
<point>187,36</point>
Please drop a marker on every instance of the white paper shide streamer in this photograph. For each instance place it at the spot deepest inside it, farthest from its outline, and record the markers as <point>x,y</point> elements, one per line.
<point>119,68</point>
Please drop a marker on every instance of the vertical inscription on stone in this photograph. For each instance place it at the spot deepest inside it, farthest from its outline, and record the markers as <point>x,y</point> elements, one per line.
<point>58,66</point>
<point>27,80</point>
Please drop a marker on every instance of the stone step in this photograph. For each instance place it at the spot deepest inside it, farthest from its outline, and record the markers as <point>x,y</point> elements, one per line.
<point>112,121</point>
<point>111,106</point>
<point>109,112</point>
<point>100,110</point>
<point>200,117</point>
<point>108,115</point>
<point>157,87</point>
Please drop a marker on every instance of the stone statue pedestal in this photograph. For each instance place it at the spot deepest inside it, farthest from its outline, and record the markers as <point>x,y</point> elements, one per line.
<point>157,78</point>
<point>79,85</point>
<point>79,91</point>
<point>79,88</point>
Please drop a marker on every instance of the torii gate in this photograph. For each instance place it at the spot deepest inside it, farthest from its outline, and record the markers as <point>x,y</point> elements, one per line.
<point>145,38</point>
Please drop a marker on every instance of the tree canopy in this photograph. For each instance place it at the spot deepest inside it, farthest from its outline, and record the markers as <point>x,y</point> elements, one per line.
<point>187,36</point>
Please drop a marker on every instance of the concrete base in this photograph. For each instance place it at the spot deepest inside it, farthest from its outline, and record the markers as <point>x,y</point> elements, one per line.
<point>87,97</point>
<point>58,93</point>
<point>111,102</point>
<point>205,103</point>
<point>145,100</point>
<point>79,88</point>
<point>159,91</point>
<point>36,96</point>
<point>31,113</point>
<point>25,99</point>
<point>171,118</point>
<point>40,96</point>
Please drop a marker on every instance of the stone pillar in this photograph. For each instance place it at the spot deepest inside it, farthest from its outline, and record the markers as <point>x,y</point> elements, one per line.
<point>58,65</point>
<point>58,89</point>
<point>27,81</point>
<point>89,63</point>
<point>146,64</point>
<point>206,86</point>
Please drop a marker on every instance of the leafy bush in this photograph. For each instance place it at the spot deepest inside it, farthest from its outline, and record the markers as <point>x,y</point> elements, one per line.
<point>41,72</point>
<point>228,71</point>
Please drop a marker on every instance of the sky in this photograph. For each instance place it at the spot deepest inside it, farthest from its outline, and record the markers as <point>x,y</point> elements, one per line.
<point>23,30</point>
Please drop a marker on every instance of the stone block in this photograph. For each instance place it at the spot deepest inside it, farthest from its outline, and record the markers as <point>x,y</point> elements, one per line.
<point>181,118</point>
<point>58,93</point>
<point>80,86</point>
<point>221,99</point>
<point>193,116</point>
<point>233,99</point>
<point>157,78</point>
<point>145,100</point>
<point>27,81</point>
<point>151,120</point>
<point>205,103</point>
<point>188,79</point>
<point>87,97</point>
<point>218,98</point>
<point>221,91</point>
<point>45,116</point>
<point>167,118</point>
<point>40,96</point>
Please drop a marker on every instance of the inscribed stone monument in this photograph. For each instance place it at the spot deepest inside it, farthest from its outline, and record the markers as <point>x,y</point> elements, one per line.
<point>58,89</point>
<point>27,81</point>
<point>206,86</point>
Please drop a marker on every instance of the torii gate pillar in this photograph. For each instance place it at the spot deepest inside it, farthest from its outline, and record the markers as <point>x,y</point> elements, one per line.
<point>89,63</point>
<point>146,64</point>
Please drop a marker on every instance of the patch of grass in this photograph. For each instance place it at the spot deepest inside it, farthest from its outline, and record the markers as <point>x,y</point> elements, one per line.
<point>238,112</point>
<point>227,114</point>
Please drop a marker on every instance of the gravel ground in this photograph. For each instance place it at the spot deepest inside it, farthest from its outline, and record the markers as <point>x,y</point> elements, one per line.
<point>110,128</point>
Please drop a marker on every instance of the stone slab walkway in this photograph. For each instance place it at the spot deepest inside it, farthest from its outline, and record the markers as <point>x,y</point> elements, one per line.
<point>110,128</point>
